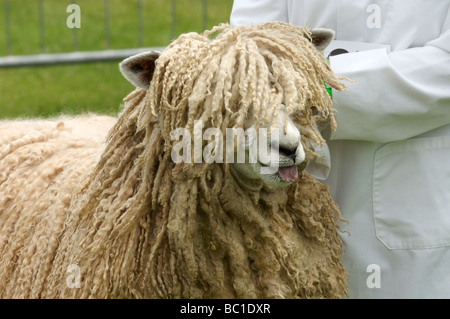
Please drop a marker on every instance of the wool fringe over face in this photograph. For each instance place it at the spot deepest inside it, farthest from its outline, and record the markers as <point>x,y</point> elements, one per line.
<point>137,225</point>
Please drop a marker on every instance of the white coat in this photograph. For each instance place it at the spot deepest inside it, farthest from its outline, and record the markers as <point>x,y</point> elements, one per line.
<point>390,156</point>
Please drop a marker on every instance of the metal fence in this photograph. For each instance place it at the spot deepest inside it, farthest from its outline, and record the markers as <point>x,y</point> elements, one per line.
<point>77,56</point>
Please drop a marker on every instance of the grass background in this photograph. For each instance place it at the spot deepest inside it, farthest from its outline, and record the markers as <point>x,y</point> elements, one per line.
<point>47,91</point>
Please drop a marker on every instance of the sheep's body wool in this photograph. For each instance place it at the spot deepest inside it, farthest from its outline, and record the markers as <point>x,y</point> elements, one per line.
<point>135,224</point>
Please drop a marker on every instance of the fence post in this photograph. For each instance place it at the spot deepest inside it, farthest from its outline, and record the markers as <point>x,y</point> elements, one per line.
<point>7,28</point>
<point>204,14</point>
<point>74,34</point>
<point>107,33</point>
<point>41,26</point>
<point>140,23</point>
<point>173,22</point>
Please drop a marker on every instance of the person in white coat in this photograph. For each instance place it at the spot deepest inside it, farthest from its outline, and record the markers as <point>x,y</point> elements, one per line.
<point>390,155</point>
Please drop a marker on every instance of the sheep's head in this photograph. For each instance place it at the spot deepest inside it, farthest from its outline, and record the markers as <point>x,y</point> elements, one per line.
<point>278,153</point>
<point>263,84</point>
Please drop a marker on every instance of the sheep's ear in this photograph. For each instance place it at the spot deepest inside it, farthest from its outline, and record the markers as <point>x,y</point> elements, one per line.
<point>321,38</point>
<point>139,68</point>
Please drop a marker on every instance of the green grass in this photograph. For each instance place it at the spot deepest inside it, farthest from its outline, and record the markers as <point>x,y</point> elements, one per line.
<point>93,87</point>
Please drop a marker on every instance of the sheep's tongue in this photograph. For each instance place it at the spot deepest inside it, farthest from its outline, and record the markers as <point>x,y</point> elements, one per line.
<point>288,174</point>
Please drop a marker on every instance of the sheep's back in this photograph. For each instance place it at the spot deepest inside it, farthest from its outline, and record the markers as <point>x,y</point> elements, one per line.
<point>42,166</point>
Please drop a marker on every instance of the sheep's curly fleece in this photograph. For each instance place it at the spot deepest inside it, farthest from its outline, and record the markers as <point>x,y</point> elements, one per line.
<point>138,225</point>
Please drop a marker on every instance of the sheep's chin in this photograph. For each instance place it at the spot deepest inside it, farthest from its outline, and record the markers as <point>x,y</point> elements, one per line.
<point>274,180</point>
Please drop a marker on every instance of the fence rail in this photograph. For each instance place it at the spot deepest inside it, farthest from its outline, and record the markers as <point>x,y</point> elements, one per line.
<point>71,57</point>
<point>77,56</point>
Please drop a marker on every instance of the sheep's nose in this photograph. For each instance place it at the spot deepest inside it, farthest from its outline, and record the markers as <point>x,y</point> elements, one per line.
<point>288,152</point>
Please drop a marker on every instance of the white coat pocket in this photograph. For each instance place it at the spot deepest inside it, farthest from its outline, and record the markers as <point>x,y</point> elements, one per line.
<point>411,197</point>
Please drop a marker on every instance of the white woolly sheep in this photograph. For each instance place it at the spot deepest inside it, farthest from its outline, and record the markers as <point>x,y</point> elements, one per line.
<point>133,223</point>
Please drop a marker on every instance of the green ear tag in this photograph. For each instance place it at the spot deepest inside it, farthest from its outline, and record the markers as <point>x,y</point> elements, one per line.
<point>329,90</point>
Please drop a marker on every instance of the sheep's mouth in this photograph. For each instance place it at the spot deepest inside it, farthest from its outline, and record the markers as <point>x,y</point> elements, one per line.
<point>288,174</point>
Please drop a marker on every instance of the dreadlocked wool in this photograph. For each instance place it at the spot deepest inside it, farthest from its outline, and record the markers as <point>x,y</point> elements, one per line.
<point>135,224</point>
